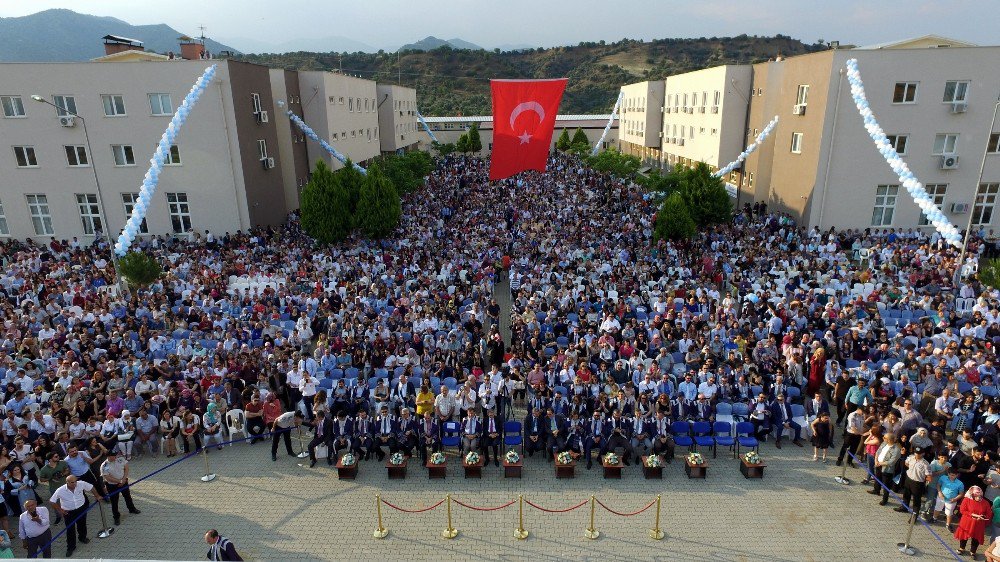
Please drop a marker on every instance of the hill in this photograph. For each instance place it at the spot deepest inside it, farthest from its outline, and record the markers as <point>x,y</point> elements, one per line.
<point>430,43</point>
<point>64,35</point>
<point>452,82</point>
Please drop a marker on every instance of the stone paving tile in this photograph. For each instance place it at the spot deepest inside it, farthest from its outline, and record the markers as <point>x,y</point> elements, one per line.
<point>281,511</point>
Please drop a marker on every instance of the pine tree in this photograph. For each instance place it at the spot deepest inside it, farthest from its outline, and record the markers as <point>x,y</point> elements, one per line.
<point>463,144</point>
<point>673,220</point>
<point>563,143</point>
<point>475,143</point>
<point>379,208</point>
<point>325,206</point>
<point>705,196</point>
<point>351,179</point>
<point>580,140</point>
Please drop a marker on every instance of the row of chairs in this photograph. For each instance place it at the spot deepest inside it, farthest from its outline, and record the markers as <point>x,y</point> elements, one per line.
<point>707,435</point>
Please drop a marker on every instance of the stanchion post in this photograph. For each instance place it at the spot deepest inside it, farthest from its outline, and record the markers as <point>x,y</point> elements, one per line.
<point>381,532</point>
<point>451,532</point>
<point>904,546</point>
<point>209,475</point>
<point>106,530</point>
<point>520,533</point>
<point>843,479</point>
<point>302,454</point>
<point>655,533</point>
<point>592,533</point>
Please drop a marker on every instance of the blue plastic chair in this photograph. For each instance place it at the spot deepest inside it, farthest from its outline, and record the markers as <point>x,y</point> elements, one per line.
<point>703,435</point>
<point>745,437</point>
<point>326,384</point>
<point>681,431</point>
<point>512,435</point>
<point>723,436</point>
<point>451,435</point>
<point>451,383</point>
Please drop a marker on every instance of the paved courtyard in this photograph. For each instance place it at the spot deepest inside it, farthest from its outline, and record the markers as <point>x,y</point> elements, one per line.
<point>281,511</point>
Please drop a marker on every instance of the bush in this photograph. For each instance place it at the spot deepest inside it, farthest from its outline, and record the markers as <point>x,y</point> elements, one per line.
<point>325,206</point>
<point>673,220</point>
<point>379,208</point>
<point>139,269</point>
<point>705,195</point>
<point>612,162</point>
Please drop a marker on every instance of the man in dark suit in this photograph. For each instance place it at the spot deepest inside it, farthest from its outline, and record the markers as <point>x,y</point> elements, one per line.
<point>406,432</point>
<point>535,427</point>
<point>403,394</point>
<point>576,434</point>
<point>492,437</point>
<point>642,435</point>
<point>618,433</point>
<point>555,438</point>
<point>471,428</point>
<point>818,405</point>
<point>781,418</point>
<point>594,438</point>
<point>361,397</point>
<point>343,432</point>
<point>430,435</point>
<point>322,435</point>
<point>663,441</point>
<point>363,442</point>
<point>702,409</point>
<point>385,433</point>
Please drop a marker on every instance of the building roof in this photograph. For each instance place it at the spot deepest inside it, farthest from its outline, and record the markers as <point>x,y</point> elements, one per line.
<point>489,118</point>
<point>922,42</point>
<point>132,55</point>
<point>120,39</point>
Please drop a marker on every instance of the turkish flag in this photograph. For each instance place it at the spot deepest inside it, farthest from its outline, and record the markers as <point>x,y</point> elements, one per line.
<point>524,115</point>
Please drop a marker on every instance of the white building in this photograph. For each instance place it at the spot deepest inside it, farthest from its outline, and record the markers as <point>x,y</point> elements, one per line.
<point>397,117</point>
<point>345,108</point>
<point>641,118</point>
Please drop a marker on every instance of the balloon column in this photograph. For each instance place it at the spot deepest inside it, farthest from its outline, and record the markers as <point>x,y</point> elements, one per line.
<point>312,135</point>
<point>156,163</point>
<point>749,150</point>
<point>909,181</point>
<point>607,128</point>
<point>426,127</point>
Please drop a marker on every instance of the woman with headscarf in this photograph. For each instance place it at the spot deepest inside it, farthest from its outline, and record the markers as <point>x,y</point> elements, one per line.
<point>976,514</point>
<point>212,422</point>
<point>921,439</point>
<point>817,371</point>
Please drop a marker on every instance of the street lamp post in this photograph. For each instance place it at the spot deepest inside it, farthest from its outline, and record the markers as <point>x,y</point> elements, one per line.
<point>972,209</point>
<point>100,196</point>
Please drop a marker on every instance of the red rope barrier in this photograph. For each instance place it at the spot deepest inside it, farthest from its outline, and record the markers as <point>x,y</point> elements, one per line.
<point>540,508</point>
<point>397,508</point>
<point>508,504</point>
<point>651,504</point>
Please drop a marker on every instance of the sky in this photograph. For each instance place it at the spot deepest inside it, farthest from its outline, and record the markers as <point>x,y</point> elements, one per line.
<point>388,24</point>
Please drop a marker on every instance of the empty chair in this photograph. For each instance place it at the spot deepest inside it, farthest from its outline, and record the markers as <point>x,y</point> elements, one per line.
<point>336,374</point>
<point>703,435</point>
<point>326,384</point>
<point>512,435</point>
<point>799,417</point>
<point>351,372</point>
<point>723,436</point>
<point>450,382</point>
<point>741,412</point>
<point>745,437</point>
<point>682,434</point>
<point>724,412</point>
<point>451,435</point>
<point>794,393</point>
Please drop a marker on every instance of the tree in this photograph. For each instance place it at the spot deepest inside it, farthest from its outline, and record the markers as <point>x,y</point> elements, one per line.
<point>673,220</point>
<point>325,206</point>
<point>379,208</point>
<point>989,272</point>
<point>475,143</point>
<point>580,139</point>
<point>351,179</point>
<point>139,268</point>
<point>444,149</point>
<point>463,143</point>
<point>705,196</point>
<point>563,143</point>
<point>613,162</point>
<point>663,183</point>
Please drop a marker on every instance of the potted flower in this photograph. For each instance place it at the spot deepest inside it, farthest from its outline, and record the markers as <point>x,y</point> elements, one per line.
<point>437,458</point>
<point>695,466</point>
<point>396,466</point>
<point>612,459</point>
<point>512,464</point>
<point>347,467</point>
<point>436,467</point>
<point>348,460</point>
<point>565,467</point>
<point>652,467</point>
<point>695,458</point>
<point>397,459</point>
<point>473,465</point>
<point>612,465</point>
<point>472,458</point>
<point>512,457</point>
<point>752,458</point>
<point>564,458</point>
<point>751,465</point>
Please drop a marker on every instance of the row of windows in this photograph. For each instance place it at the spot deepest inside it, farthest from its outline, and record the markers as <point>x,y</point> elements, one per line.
<point>886,196</point>
<point>360,133</point>
<point>955,91</point>
<point>90,213</point>
<point>77,157</point>
<point>675,100</point>
<point>114,105</point>
<point>944,143</point>
<point>360,105</point>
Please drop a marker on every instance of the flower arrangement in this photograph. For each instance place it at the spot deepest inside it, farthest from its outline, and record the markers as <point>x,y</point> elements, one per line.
<point>654,461</point>
<point>437,458</point>
<point>612,459</point>
<point>695,458</point>
<point>397,459</point>
<point>752,457</point>
<point>512,457</point>
<point>564,458</point>
<point>472,458</point>
<point>348,460</point>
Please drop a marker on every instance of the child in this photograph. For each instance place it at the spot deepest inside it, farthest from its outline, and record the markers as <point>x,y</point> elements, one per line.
<point>939,467</point>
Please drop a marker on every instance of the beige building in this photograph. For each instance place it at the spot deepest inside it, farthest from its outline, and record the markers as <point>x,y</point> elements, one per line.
<point>448,129</point>
<point>641,119</point>
<point>397,117</point>
<point>345,108</point>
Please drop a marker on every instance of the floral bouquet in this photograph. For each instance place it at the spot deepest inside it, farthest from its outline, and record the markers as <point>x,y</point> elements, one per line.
<point>397,459</point>
<point>437,458</point>
<point>653,461</point>
<point>611,459</point>
<point>564,458</point>
<point>512,457</point>
<point>695,458</point>
<point>752,457</point>
<point>348,460</point>
<point>472,458</point>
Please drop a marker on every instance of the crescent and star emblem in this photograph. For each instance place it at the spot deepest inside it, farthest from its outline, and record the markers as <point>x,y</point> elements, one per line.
<point>525,136</point>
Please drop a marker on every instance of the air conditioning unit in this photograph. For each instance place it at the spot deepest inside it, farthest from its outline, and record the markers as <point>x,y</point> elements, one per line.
<point>661,134</point>
<point>701,109</point>
<point>67,121</point>
<point>799,109</point>
<point>261,116</point>
<point>715,109</point>
<point>268,163</point>
<point>959,107</point>
<point>959,208</point>
<point>949,162</point>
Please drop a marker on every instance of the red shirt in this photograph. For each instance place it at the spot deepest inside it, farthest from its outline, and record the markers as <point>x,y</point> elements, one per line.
<point>272,409</point>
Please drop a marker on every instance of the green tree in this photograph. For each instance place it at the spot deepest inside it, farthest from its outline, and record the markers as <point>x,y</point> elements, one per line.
<point>705,196</point>
<point>351,179</point>
<point>989,272</point>
<point>613,162</point>
<point>325,206</point>
<point>139,268</point>
<point>475,143</point>
<point>662,183</point>
<point>580,139</point>
<point>379,208</point>
<point>463,143</point>
<point>444,149</point>
<point>563,142</point>
<point>673,220</point>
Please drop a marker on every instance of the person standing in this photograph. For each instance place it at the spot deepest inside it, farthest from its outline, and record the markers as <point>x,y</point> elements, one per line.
<point>114,471</point>
<point>33,529</point>
<point>70,500</point>
<point>918,474</point>
<point>219,547</point>
<point>852,436</point>
<point>281,424</point>
<point>976,513</point>
<point>53,473</point>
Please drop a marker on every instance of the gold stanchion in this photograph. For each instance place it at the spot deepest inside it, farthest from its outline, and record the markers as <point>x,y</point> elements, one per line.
<point>381,532</point>
<point>655,533</point>
<point>450,532</point>
<point>209,475</point>
<point>520,532</point>
<point>591,532</point>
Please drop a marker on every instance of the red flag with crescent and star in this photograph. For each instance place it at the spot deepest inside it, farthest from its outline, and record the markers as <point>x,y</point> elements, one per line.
<point>524,116</point>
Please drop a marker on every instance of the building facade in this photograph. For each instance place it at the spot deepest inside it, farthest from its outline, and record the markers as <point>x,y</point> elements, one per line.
<point>345,108</point>
<point>449,129</point>
<point>397,117</point>
<point>641,119</point>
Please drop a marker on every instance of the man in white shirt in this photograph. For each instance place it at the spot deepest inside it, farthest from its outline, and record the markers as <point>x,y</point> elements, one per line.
<point>33,530</point>
<point>70,500</point>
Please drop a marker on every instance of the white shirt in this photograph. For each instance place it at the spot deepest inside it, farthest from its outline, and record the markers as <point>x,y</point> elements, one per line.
<point>71,499</point>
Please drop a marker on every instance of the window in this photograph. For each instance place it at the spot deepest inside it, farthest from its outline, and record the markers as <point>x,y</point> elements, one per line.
<point>898,142</point>
<point>114,105</point>
<point>38,208</point>
<point>718,98</point>
<point>994,144</point>
<point>955,91</point>
<point>65,105</point>
<point>350,104</point>
<point>128,201</point>
<point>255,101</point>
<point>180,212</point>
<point>262,148</point>
<point>750,180</point>
<point>174,156</point>
<point>802,96</point>
<point>885,204</point>
<point>797,143</point>
<point>90,212</point>
<point>123,155</point>
<point>76,155</point>
<point>986,200</point>
<point>945,144</point>
<point>937,192</point>
<point>25,157</point>
<point>12,106</point>
<point>905,92</point>
<point>4,231</point>
<point>159,104</point>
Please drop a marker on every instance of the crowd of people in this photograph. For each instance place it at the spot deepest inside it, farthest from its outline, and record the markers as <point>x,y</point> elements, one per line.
<point>842,337</point>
